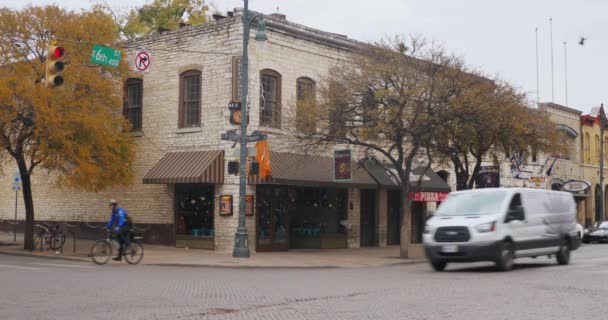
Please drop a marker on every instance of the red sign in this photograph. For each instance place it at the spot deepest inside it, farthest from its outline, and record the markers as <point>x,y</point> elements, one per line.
<point>142,61</point>
<point>428,196</point>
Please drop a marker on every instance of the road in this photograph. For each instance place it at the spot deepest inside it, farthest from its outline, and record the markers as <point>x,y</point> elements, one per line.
<point>536,289</point>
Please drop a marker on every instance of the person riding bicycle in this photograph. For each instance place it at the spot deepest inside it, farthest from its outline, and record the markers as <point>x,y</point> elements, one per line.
<point>118,224</point>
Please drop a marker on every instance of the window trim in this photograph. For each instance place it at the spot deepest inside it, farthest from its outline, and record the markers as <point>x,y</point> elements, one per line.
<point>181,110</point>
<point>125,107</point>
<point>276,117</point>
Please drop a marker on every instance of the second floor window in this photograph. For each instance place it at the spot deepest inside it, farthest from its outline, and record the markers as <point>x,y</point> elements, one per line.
<point>190,99</point>
<point>270,99</point>
<point>305,106</point>
<point>133,103</point>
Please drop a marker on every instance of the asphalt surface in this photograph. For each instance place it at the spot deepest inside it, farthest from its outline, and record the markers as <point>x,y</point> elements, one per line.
<point>537,289</point>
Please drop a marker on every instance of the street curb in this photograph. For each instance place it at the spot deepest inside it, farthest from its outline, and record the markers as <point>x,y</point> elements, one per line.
<point>24,254</point>
<point>216,266</point>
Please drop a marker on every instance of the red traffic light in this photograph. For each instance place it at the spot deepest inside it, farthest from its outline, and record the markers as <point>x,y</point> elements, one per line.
<point>58,52</point>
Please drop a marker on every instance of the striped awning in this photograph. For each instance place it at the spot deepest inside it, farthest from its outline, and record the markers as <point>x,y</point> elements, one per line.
<point>188,167</point>
<point>310,170</point>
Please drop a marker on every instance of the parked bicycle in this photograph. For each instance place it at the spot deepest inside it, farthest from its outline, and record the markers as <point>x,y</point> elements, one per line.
<point>103,250</point>
<point>53,236</point>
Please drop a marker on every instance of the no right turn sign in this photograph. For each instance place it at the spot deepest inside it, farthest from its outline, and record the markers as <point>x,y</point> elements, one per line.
<point>142,61</point>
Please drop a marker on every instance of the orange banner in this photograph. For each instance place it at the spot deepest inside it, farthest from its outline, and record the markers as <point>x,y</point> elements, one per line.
<point>263,158</point>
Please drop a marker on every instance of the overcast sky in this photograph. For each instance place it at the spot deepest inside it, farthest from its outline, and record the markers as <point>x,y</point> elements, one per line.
<point>495,36</point>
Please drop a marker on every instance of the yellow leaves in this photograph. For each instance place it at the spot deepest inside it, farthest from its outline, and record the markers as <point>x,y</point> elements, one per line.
<point>76,128</point>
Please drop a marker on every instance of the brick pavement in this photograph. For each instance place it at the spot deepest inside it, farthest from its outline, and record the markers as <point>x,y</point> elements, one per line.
<point>536,289</point>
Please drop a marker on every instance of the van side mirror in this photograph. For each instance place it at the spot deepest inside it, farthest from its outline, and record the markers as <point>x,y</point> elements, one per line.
<point>515,214</point>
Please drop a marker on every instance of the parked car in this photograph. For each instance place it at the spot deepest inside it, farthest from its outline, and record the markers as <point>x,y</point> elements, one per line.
<point>597,233</point>
<point>500,225</point>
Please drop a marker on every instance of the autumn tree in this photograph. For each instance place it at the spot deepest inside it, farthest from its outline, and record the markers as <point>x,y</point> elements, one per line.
<point>74,132</point>
<point>160,14</point>
<point>486,119</point>
<point>383,101</point>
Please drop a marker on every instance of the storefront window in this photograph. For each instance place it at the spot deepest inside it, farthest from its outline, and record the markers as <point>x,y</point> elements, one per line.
<point>194,212</point>
<point>319,218</point>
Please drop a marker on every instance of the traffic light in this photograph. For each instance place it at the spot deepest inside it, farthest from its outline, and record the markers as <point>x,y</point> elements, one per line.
<point>55,64</point>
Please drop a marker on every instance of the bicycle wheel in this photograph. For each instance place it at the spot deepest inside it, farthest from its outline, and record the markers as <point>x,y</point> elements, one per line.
<point>56,241</point>
<point>101,252</point>
<point>134,253</point>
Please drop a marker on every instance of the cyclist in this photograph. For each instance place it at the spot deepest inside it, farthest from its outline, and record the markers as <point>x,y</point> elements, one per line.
<point>118,224</point>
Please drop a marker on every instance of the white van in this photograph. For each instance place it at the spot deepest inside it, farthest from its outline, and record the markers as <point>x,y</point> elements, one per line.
<point>499,225</point>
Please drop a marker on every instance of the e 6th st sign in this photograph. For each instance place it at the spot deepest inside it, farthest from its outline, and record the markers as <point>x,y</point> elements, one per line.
<point>105,56</point>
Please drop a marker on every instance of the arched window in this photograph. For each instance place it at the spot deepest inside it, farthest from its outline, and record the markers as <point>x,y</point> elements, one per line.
<point>190,99</point>
<point>305,105</point>
<point>132,103</point>
<point>596,160</point>
<point>587,148</point>
<point>270,98</point>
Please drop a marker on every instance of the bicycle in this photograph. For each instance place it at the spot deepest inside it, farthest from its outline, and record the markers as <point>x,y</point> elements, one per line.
<point>103,250</point>
<point>54,238</point>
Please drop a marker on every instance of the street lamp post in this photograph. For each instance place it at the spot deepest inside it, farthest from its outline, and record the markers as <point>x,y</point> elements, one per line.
<point>241,246</point>
<point>602,116</point>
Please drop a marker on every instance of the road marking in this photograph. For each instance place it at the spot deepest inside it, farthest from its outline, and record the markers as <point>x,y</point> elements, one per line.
<point>19,267</point>
<point>59,265</point>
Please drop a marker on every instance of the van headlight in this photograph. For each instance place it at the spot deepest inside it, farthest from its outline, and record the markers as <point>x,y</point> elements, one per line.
<point>428,229</point>
<point>486,227</point>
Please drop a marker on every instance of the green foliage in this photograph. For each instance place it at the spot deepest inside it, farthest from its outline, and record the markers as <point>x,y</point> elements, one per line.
<point>165,14</point>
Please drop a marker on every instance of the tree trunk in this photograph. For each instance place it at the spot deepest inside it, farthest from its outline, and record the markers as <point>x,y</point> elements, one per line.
<point>406,218</point>
<point>473,177</point>
<point>26,184</point>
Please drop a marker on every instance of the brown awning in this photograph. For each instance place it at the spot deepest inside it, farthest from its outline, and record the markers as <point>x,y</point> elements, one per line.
<point>310,170</point>
<point>188,167</point>
<point>421,179</point>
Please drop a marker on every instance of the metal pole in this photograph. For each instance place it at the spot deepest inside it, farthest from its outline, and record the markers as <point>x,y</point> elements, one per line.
<point>15,221</point>
<point>241,246</point>
<point>537,81</point>
<point>552,83</point>
<point>602,126</point>
<point>566,70</point>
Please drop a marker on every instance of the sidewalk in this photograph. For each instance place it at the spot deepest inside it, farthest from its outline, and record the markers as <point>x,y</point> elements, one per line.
<point>171,256</point>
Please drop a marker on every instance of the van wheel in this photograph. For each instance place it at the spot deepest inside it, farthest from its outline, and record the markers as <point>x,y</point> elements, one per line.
<point>438,265</point>
<point>563,255</point>
<point>505,258</point>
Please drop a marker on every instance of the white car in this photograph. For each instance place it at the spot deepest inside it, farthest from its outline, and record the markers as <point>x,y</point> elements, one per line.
<point>598,233</point>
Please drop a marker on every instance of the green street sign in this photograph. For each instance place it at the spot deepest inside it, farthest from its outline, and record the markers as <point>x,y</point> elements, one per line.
<point>105,56</point>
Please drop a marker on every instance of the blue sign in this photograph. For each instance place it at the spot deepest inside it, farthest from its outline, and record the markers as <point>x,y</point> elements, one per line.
<point>17,182</point>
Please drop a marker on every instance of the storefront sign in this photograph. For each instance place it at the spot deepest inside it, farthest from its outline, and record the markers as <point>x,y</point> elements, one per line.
<point>249,205</point>
<point>225,205</point>
<point>428,196</point>
<point>576,186</point>
<point>488,177</point>
<point>342,165</point>
<point>537,182</point>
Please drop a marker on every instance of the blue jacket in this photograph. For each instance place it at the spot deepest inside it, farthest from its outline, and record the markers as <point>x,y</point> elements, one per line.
<point>117,218</point>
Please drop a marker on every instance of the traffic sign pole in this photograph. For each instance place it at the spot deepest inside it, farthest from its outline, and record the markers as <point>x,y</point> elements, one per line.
<point>16,187</point>
<point>15,225</point>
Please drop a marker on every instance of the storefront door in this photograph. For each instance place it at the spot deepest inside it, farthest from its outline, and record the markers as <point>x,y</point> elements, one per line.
<point>394,218</point>
<point>368,218</point>
<point>272,219</point>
